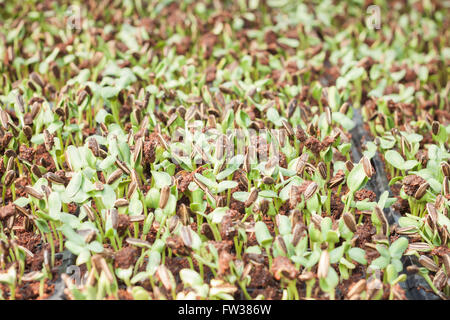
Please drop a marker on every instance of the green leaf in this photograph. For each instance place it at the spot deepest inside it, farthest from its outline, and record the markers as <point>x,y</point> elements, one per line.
<point>161,179</point>
<point>274,117</point>
<point>343,120</point>
<point>358,255</point>
<point>284,226</point>
<point>109,92</point>
<point>95,246</point>
<point>356,177</point>
<point>379,263</point>
<point>391,273</point>
<point>217,214</point>
<point>107,162</point>
<point>171,205</point>
<point>263,235</point>
<point>207,182</point>
<point>409,164</point>
<point>330,282</point>
<point>397,248</point>
<point>268,194</point>
<point>42,225</point>
<point>243,120</point>
<point>336,254</point>
<point>73,157</point>
<point>395,159</point>
<point>190,278</point>
<point>241,196</point>
<point>108,196</point>
<point>228,184</point>
<point>135,207</point>
<point>333,98</point>
<point>74,184</point>
<point>54,205</point>
<point>397,263</point>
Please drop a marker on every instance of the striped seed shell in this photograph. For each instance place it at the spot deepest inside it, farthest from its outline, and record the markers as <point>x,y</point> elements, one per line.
<point>288,128</point>
<point>324,264</point>
<point>368,168</point>
<point>27,131</point>
<point>47,259</point>
<point>446,261</point>
<point>90,213</point>
<point>81,96</point>
<point>432,212</point>
<point>9,177</point>
<point>357,288</point>
<point>268,180</point>
<point>421,190</point>
<point>440,279</point>
<point>281,244</point>
<point>32,276</point>
<point>349,165</point>
<point>137,218</point>
<point>36,107</point>
<point>54,178</point>
<point>137,149</point>
<point>123,166</point>
<point>46,190</point>
<point>121,202</point>
<point>264,206</point>
<point>349,221</point>
<point>445,168</point>
<point>174,221</point>
<point>33,192</point>
<point>317,220</point>
<point>406,230</point>
<point>428,263</point>
<point>380,215</point>
<point>48,140</point>
<point>344,108</point>
<point>138,242</point>
<point>164,196</point>
<point>310,190</point>
<point>20,103</point>
<point>435,126</point>
<point>185,233</point>
<point>11,164</point>
<point>252,197</point>
<point>184,214</point>
<point>322,170</point>
<point>10,153</point>
<point>4,119</point>
<point>165,276</point>
<point>131,189</point>
<point>114,176</point>
<point>105,269</point>
<point>328,115</point>
<point>419,246</point>
<point>93,145</point>
<point>446,186</point>
<point>114,214</point>
<point>297,233</point>
<point>37,79</point>
<point>335,181</point>
<point>162,141</point>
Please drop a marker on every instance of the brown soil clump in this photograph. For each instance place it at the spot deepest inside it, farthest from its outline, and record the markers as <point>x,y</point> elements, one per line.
<point>314,145</point>
<point>362,194</point>
<point>26,153</point>
<point>125,258</point>
<point>7,211</point>
<point>411,183</point>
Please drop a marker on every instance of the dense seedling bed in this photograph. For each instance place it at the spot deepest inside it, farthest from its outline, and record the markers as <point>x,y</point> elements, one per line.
<point>224,150</point>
